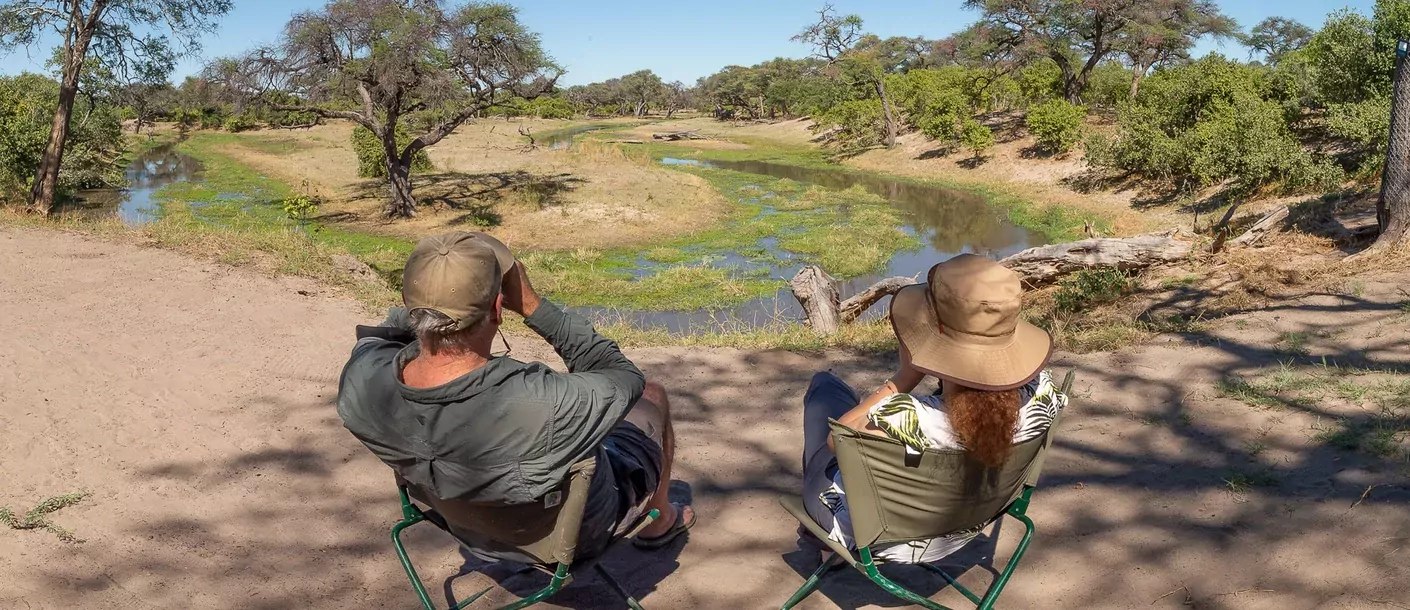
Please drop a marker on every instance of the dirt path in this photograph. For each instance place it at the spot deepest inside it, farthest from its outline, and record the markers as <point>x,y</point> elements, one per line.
<point>195,403</point>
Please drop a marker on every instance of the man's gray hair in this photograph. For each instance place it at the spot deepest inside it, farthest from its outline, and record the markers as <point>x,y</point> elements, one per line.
<point>437,332</point>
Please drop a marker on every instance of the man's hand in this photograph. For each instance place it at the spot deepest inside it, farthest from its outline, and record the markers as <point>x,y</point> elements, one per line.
<point>519,295</point>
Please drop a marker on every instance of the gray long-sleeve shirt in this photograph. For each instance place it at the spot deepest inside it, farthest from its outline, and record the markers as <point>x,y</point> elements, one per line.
<point>506,432</point>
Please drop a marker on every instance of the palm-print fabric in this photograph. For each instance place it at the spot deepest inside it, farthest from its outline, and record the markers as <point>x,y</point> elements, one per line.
<point>922,422</point>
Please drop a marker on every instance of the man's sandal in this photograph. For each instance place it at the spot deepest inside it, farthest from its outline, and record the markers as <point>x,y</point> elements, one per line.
<point>677,528</point>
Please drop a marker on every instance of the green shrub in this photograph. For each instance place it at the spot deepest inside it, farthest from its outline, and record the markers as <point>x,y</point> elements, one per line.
<point>1040,81</point>
<point>93,152</point>
<point>937,102</point>
<point>299,206</point>
<point>976,137</point>
<point>1206,123</point>
<point>1108,85</point>
<point>372,160</point>
<point>859,124</point>
<point>1091,287</point>
<point>1367,125</point>
<point>211,119</point>
<point>237,123</point>
<point>1057,125</point>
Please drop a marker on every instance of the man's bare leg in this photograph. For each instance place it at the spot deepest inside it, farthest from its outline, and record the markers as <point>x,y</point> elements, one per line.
<point>660,500</point>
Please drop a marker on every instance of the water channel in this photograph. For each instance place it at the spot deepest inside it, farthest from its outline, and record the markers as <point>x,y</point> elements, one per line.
<point>946,222</point>
<point>136,204</point>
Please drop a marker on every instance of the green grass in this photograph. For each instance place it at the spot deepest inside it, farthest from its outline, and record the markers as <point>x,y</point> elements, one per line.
<point>1188,279</point>
<point>1241,482</point>
<point>1244,391</point>
<point>868,336</point>
<point>1056,223</point>
<point>38,517</point>
<point>1293,343</point>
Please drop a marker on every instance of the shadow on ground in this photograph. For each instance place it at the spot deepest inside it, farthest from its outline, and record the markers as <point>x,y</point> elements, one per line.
<point>1155,495</point>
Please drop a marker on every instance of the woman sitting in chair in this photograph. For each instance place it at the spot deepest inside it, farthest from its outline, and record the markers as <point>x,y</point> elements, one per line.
<point>962,327</point>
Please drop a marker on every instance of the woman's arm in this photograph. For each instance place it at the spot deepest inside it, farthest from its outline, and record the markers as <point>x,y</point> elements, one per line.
<point>905,379</point>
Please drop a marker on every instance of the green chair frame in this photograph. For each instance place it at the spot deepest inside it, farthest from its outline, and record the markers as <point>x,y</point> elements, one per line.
<point>866,564</point>
<point>562,572</point>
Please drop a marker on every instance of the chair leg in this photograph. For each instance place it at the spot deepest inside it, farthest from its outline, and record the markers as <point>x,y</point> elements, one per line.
<point>406,561</point>
<point>953,583</point>
<point>998,587</point>
<point>813,581</point>
<point>560,577</point>
<point>868,567</point>
<point>617,587</point>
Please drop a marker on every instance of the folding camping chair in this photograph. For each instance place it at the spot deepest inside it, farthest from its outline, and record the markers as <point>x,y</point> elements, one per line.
<point>894,497</point>
<point>539,536</point>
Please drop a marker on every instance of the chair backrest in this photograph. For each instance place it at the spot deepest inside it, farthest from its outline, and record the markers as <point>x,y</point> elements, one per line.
<point>896,497</point>
<point>544,532</point>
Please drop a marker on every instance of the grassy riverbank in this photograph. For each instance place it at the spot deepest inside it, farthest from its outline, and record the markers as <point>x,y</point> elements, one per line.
<point>1056,222</point>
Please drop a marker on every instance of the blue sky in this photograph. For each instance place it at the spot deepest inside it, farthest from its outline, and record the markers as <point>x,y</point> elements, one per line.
<point>684,40</point>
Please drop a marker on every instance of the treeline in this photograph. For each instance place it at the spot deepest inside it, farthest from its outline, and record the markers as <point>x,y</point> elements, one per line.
<point>1309,108</point>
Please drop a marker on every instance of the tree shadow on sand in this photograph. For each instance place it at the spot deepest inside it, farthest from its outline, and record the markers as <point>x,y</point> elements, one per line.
<point>481,196</point>
<point>1136,499</point>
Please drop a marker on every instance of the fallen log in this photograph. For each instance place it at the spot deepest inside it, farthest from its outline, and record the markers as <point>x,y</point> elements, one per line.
<point>624,142</point>
<point>299,126</point>
<point>855,306</point>
<point>678,135</point>
<point>1045,264</point>
<point>819,295</point>
<point>1270,223</point>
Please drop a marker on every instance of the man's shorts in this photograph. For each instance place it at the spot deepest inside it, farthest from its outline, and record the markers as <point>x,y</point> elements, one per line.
<point>634,450</point>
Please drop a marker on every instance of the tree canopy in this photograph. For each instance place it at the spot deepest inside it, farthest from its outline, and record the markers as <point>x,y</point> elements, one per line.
<point>418,64</point>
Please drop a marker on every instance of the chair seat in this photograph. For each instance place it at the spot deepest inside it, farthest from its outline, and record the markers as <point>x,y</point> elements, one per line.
<point>794,505</point>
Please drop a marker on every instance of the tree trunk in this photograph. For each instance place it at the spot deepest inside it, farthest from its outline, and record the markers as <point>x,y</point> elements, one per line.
<point>402,204</point>
<point>46,179</point>
<point>880,85</point>
<point>1137,73</point>
<point>817,292</point>
<point>1393,206</point>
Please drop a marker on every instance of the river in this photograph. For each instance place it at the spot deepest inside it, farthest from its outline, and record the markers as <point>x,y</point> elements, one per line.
<point>948,222</point>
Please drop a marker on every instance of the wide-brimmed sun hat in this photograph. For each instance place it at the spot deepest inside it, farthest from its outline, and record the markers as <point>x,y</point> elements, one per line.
<point>963,326</point>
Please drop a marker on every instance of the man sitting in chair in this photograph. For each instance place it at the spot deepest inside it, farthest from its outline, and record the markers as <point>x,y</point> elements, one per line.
<point>962,327</point>
<point>424,393</point>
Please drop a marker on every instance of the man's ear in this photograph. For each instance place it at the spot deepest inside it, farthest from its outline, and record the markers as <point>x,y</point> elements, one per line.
<point>497,313</point>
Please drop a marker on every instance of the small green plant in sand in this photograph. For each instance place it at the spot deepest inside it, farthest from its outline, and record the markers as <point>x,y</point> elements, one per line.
<point>38,517</point>
<point>300,205</point>
<point>1091,287</point>
<point>1294,343</point>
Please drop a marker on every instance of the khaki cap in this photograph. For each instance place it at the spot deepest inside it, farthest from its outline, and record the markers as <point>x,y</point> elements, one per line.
<point>963,326</point>
<point>456,274</point>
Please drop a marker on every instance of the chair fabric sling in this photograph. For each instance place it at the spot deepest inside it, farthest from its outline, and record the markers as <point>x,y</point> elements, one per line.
<point>543,535</point>
<point>896,497</point>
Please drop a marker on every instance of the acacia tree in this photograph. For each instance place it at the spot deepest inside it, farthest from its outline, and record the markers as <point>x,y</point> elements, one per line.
<point>643,88</point>
<point>1164,31</point>
<point>836,39</point>
<point>115,31</point>
<point>384,63</point>
<point>1275,37</point>
<point>1077,36</point>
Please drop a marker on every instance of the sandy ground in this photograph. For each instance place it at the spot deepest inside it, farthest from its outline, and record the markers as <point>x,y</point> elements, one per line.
<point>196,403</point>
<point>484,176</point>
